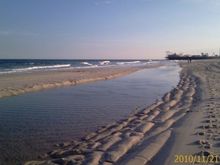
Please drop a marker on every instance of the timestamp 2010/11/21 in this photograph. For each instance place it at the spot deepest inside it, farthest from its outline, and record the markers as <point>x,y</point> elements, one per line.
<point>196,159</point>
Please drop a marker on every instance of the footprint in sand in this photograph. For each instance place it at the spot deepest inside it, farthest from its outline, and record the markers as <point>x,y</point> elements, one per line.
<point>201,133</point>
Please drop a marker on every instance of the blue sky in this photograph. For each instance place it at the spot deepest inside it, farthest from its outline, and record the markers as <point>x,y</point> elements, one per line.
<point>107,28</point>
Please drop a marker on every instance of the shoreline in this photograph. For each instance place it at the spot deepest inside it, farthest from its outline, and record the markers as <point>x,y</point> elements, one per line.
<point>68,113</point>
<point>139,138</point>
<point>16,84</point>
<point>111,143</point>
<point>118,143</point>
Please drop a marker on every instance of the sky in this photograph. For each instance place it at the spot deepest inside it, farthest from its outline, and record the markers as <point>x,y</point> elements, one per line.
<point>108,29</point>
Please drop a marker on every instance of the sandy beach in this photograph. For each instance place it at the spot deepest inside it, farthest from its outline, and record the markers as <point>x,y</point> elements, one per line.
<point>19,83</point>
<point>181,128</point>
<point>109,82</point>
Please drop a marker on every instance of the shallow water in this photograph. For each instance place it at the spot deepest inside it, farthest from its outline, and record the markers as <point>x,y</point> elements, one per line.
<point>32,123</point>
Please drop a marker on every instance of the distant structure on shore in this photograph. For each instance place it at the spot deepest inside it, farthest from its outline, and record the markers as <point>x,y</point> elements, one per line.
<point>175,56</point>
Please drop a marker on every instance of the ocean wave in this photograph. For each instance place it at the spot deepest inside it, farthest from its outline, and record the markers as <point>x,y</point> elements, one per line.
<point>104,62</point>
<point>129,62</point>
<point>36,68</point>
<point>86,63</point>
<point>45,67</point>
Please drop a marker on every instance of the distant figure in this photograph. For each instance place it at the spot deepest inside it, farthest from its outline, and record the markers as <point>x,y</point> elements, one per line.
<point>189,59</point>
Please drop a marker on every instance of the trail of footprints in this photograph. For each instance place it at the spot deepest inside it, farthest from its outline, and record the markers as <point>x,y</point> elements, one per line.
<point>110,144</point>
<point>209,132</point>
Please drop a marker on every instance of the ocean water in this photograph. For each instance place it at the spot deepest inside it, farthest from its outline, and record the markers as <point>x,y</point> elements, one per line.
<point>32,123</point>
<point>22,65</point>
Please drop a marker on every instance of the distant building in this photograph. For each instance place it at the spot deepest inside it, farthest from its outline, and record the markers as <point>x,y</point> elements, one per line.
<point>175,56</point>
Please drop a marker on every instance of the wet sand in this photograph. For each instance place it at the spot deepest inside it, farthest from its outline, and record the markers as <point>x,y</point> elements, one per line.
<point>19,83</point>
<point>184,122</point>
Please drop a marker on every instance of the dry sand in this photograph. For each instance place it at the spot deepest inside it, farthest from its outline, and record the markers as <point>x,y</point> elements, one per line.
<point>19,83</point>
<point>184,122</point>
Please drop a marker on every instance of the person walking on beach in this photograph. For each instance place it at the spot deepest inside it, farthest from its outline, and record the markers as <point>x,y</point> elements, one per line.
<point>189,59</point>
